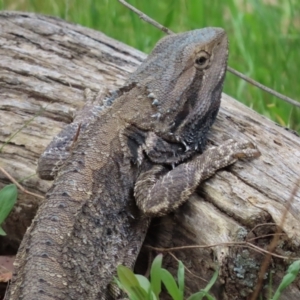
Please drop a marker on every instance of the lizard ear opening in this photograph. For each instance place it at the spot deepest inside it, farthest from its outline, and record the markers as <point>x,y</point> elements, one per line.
<point>202,60</point>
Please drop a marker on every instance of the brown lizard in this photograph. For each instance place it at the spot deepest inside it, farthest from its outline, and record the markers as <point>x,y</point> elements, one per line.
<point>141,156</point>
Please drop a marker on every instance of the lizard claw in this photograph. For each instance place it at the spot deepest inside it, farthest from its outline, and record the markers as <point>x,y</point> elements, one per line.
<point>246,149</point>
<point>239,150</point>
<point>231,151</point>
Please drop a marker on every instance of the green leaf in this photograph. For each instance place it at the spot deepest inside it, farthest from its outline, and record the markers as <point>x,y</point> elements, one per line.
<point>200,295</point>
<point>2,232</point>
<point>197,296</point>
<point>212,281</point>
<point>8,198</point>
<point>291,275</point>
<point>145,284</point>
<point>294,267</point>
<point>130,284</point>
<point>170,284</point>
<point>155,275</point>
<point>204,292</point>
<point>126,276</point>
<point>180,278</point>
<point>143,281</point>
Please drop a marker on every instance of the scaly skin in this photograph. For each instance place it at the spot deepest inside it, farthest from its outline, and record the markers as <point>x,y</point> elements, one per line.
<point>138,158</point>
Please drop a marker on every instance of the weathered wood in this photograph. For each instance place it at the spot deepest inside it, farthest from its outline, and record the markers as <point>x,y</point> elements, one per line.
<point>45,65</point>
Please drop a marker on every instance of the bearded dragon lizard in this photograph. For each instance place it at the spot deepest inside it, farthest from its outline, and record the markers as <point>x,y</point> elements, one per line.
<point>140,157</point>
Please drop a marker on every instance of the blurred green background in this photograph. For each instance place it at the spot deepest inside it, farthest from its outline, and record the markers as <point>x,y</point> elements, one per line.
<point>264,38</point>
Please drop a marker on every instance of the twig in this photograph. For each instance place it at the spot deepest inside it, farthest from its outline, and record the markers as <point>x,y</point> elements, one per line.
<point>264,236</point>
<point>18,185</point>
<point>149,20</point>
<point>22,127</point>
<point>145,18</point>
<point>229,244</point>
<point>265,264</point>
<point>187,269</point>
<point>263,87</point>
<point>260,225</point>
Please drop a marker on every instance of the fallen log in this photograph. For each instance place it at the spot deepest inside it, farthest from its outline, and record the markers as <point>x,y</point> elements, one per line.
<point>45,66</point>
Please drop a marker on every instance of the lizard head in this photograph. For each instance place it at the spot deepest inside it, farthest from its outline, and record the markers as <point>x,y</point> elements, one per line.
<point>183,79</point>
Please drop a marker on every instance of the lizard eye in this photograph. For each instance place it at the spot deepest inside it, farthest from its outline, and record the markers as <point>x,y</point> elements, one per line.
<point>202,60</point>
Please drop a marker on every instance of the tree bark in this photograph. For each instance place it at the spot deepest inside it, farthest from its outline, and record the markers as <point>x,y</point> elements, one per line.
<point>45,66</point>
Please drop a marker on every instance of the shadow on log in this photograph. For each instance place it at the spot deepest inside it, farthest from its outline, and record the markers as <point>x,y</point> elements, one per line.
<point>45,65</point>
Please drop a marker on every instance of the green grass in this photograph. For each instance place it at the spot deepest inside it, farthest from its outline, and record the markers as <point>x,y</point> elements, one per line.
<point>138,287</point>
<point>264,38</point>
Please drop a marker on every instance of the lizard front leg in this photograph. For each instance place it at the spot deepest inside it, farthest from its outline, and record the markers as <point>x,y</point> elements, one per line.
<point>157,192</point>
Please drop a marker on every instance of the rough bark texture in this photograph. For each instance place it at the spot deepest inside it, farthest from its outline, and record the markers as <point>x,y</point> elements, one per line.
<point>45,65</point>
